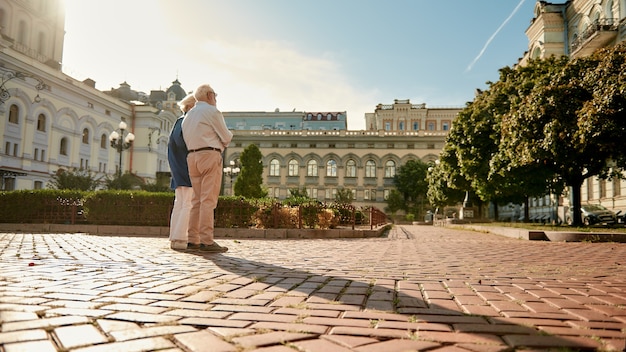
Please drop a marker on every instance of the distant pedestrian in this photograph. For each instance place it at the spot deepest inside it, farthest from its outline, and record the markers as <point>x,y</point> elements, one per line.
<point>206,135</point>
<point>180,183</point>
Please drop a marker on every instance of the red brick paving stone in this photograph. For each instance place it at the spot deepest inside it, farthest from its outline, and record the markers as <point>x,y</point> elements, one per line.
<point>532,322</point>
<point>352,299</point>
<point>192,313</point>
<point>97,313</point>
<point>448,304</point>
<point>204,341</point>
<point>480,310</point>
<point>558,316</point>
<point>551,330</point>
<point>595,325</point>
<point>459,337</point>
<point>7,316</point>
<point>132,334</point>
<point>282,318</point>
<point>611,311</point>
<point>615,345</point>
<point>383,306</point>
<point>412,326</point>
<point>79,335</point>
<point>23,335</point>
<point>271,338</point>
<point>319,345</point>
<point>109,326</point>
<point>149,344</point>
<point>588,314</point>
<point>349,341</point>
<point>142,317</point>
<point>396,345</point>
<point>236,301</point>
<point>543,341</point>
<point>39,346</point>
<point>581,299</point>
<point>278,348</point>
<point>618,301</point>
<point>43,323</point>
<point>292,327</point>
<point>358,331</point>
<point>308,312</point>
<point>481,347</point>
<point>231,332</point>
<point>507,306</point>
<point>333,307</point>
<point>215,322</point>
<point>337,321</point>
<point>502,329</point>
<point>288,301</point>
<point>233,308</point>
<point>470,300</point>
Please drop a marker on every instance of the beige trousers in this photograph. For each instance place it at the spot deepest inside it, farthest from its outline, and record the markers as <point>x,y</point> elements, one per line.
<point>205,171</point>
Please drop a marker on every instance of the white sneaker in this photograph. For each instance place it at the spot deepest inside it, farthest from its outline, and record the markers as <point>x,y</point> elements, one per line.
<point>178,244</point>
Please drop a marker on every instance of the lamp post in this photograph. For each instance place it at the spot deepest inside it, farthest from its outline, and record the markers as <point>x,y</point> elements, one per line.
<point>233,170</point>
<point>121,143</point>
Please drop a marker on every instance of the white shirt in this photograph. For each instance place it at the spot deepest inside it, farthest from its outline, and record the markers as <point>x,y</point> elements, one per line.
<point>204,126</point>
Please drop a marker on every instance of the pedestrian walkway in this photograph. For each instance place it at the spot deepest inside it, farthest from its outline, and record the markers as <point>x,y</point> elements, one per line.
<point>420,288</point>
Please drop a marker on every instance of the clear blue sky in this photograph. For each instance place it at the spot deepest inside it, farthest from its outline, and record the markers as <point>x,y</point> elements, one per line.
<point>322,55</point>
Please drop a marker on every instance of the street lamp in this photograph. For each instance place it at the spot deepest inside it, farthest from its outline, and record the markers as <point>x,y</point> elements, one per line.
<point>233,170</point>
<point>121,143</point>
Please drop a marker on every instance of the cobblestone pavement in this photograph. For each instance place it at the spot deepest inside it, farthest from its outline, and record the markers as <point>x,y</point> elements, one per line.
<point>420,288</point>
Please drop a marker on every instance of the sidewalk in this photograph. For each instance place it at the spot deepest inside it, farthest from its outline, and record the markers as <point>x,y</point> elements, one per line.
<point>422,288</point>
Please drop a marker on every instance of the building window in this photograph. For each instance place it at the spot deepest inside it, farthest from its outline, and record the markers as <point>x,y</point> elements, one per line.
<point>431,126</point>
<point>41,123</point>
<point>387,126</point>
<point>274,167</point>
<point>401,126</point>
<point>43,155</point>
<point>7,148</point>
<point>63,146</point>
<point>617,187</point>
<point>103,141</point>
<point>589,189</point>
<point>311,193</point>
<point>445,126</point>
<point>293,167</point>
<point>351,168</point>
<point>14,114</point>
<point>370,168</point>
<point>331,168</point>
<point>328,193</point>
<point>85,136</point>
<point>366,194</point>
<point>386,194</point>
<point>390,169</point>
<point>311,168</point>
<point>36,156</point>
<point>38,185</point>
<point>416,126</point>
<point>14,149</point>
<point>602,188</point>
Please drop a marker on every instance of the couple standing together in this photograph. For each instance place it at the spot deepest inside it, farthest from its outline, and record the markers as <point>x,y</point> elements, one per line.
<point>194,153</point>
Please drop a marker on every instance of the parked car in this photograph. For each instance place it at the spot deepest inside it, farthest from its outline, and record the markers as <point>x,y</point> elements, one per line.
<point>621,217</point>
<point>593,214</point>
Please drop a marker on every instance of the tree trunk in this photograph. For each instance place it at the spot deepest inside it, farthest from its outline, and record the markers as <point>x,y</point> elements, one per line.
<point>576,215</point>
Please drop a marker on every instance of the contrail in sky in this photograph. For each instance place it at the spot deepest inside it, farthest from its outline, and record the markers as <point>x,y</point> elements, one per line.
<point>482,51</point>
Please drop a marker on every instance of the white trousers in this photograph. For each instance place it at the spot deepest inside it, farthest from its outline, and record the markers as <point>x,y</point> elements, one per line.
<point>179,221</point>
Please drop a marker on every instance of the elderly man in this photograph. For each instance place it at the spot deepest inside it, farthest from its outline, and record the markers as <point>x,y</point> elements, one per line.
<point>206,135</point>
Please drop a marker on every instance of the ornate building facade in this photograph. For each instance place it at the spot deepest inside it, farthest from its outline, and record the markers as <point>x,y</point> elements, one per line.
<point>50,120</point>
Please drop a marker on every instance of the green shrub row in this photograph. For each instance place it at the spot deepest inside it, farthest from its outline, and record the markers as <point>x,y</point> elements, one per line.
<point>141,208</point>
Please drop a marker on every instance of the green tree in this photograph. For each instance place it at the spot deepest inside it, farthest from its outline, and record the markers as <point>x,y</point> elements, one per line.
<point>410,180</point>
<point>344,196</point>
<point>395,202</point>
<point>127,181</point>
<point>74,179</point>
<point>250,180</point>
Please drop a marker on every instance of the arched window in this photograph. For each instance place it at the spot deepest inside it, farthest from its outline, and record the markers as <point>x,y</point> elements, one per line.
<point>370,168</point>
<point>63,146</point>
<point>293,167</point>
<point>14,113</point>
<point>103,141</point>
<point>390,169</point>
<point>351,168</point>
<point>416,126</point>
<point>401,126</point>
<point>311,168</point>
<point>331,168</point>
<point>274,167</point>
<point>85,136</point>
<point>22,33</point>
<point>41,123</point>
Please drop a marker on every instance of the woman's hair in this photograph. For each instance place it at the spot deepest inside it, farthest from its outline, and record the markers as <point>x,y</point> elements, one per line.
<point>187,103</point>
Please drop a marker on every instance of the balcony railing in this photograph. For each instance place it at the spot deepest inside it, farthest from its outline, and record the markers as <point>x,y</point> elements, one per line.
<point>591,34</point>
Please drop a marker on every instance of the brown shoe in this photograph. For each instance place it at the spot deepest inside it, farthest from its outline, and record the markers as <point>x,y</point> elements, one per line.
<point>213,248</point>
<point>193,245</point>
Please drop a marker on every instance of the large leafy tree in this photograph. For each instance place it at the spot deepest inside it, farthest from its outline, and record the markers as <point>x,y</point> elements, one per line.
<point>410,180</point>
<point>250,179</point>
